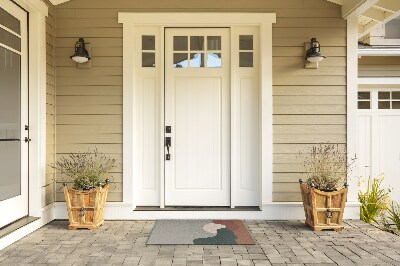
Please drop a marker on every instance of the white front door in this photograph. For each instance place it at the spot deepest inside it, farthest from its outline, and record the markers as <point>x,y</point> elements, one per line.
<point>378,135</point>
<point>197,108</point>
<point>13,113</point>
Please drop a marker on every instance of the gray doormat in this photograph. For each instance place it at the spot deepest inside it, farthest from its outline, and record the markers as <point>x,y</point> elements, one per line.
<point>200,232</point>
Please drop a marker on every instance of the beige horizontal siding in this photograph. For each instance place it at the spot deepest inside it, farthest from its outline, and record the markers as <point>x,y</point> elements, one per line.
<point>309,104</point>
<point>49,184</point>
<point>379,66</point>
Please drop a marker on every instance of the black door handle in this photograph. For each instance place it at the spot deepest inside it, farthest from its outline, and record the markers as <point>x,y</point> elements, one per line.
<point>168,144</point>
<point>9,139</point>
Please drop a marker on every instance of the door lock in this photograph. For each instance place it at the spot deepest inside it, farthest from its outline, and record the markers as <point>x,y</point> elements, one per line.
<point>168,144</point>
<point>27,139</point>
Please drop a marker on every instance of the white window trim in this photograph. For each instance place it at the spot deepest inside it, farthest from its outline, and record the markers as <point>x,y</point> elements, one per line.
<point>131,158</point>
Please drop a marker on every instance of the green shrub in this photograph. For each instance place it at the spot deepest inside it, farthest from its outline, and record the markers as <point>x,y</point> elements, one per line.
<point>394,214</point>
<point>374,201</point>
<point>390,220</point>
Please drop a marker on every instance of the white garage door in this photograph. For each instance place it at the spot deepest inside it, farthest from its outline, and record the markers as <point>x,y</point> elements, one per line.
<point>379,136</point>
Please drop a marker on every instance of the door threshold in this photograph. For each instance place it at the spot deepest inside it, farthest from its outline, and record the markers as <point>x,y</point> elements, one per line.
<point>8,229</point>
<point>196,208</point>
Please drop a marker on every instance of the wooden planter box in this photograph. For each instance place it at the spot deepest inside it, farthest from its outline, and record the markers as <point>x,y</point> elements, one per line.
<point>85,207</point>
<point>323,210</point>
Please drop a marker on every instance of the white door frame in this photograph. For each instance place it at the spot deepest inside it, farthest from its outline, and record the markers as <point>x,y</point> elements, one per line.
<point>37,12</point>
<point>131,124</point>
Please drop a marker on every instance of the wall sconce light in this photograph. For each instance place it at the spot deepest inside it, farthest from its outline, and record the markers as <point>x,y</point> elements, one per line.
<point>81,54</point>
<point>313,55</point>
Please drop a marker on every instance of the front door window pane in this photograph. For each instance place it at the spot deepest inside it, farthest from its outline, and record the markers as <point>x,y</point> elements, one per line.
<point>214,60</point>
<point>213,43</point>
<point>196,43</point>
<point>197,60</point>
<point>180,60</point>
<point>180,43</point>
<point>10,121</point>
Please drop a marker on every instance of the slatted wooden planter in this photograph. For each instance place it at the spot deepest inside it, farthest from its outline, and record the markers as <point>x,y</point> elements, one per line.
<point>85,207</point>
<point>323,210</point>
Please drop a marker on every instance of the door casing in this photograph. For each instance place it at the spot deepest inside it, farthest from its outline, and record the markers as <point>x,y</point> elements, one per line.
<point>134,194</point>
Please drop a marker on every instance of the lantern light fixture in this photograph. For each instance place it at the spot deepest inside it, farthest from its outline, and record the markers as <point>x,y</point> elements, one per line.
<point>313,54</point>
<point>81,54</point>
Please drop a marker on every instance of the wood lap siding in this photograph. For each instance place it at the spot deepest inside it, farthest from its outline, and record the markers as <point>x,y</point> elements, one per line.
<point>379,66</point>
<point>48,188</point>
<point>309,104</point>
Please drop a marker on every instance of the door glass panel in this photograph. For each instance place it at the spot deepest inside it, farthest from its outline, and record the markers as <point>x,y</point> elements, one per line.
<point>396,95</point>
<point>364,105</point>
<point>10,39</point>
<point>214,43</point>
<point>197,60</point>
<point>214,60</point>
<point>364,95</point>
<point>148,42</point>
<point>246,42</point>
<point>396,105</point>
<point>180,60</point>
<point>148,59</point>
<point>197,43</point>
<point>7,20</point>
<point>384,105</point>
<point>180,43</point>
<point>246,59</point>
<point>384,95</point>
<point>10,121</point>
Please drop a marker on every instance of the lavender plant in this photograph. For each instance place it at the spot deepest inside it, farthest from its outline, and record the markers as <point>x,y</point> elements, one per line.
<point>86,170</point>
<point>325,166</point>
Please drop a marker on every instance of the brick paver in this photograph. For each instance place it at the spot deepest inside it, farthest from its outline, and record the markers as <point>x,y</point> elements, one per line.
<point>278,243</point>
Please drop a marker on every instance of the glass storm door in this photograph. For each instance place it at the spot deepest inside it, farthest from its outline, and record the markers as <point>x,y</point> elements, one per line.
<point>197,107</point>
<point>13,113</point>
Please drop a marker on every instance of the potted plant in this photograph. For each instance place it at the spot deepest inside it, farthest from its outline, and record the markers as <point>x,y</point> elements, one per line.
<point>324,192</point>
<point>86,198</point>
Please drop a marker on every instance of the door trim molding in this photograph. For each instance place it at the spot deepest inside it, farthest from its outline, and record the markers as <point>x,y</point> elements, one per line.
<point>131,124</point>
<point>37,12</point>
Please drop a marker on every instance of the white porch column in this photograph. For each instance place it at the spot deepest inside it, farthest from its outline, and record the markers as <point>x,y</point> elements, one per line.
<point>352,87</point>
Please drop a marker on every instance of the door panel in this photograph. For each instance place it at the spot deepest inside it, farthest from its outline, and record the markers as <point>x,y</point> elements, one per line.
<point>389,153</point>
<point>13,113</point>
<point>198,133</point>
<point>197,104</point>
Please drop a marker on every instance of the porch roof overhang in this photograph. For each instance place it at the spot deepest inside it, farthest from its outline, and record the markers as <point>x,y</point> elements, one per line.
<point>371,13</point>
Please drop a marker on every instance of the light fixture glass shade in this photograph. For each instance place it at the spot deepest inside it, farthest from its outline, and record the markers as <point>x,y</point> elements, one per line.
<point>315,58</point>
<point>81,54</point>
<point>313,54</point>
<point>79,59</point>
